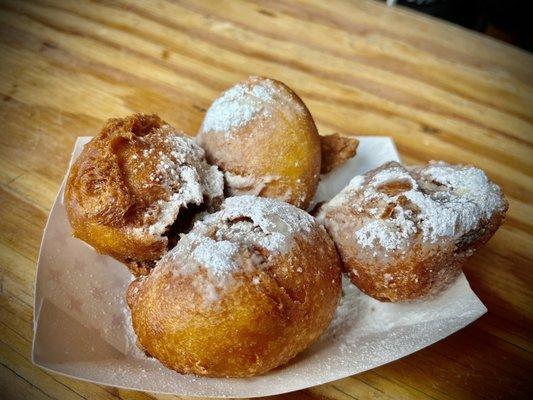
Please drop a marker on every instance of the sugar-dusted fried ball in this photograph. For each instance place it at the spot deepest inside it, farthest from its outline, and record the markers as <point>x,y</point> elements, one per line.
<point>247,289</point>
<point>131,187</point>
<point>262,136</point>
<point>404,233</point>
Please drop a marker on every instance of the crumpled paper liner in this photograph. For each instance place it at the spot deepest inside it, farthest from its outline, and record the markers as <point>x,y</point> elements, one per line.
<point>83,330</point>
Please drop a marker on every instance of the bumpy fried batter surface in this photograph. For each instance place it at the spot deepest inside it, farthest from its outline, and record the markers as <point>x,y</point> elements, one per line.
<point>129,184</point>
<point>404,233</point>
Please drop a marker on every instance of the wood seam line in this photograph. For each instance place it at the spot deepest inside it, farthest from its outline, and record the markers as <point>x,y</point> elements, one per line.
<point>28,382</point>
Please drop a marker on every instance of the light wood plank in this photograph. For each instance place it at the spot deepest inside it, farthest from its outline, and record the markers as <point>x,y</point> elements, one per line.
<point>440,91</point>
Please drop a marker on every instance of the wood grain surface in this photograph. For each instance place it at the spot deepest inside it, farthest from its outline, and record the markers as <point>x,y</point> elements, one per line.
<point>442,93</point>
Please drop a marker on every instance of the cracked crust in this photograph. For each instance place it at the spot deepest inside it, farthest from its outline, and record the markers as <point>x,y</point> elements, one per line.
<point>404,233</point>
<point>268,307</point>
<point>121,191</point>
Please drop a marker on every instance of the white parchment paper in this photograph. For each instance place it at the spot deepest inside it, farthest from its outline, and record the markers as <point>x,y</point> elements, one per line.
<point>82,326</point>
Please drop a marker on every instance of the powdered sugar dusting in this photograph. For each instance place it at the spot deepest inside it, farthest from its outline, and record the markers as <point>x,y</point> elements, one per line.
<point>393,174</point>
<point>245,234</point>
<point>272,216</point>
<point>391,234</point>
<point>218,257</point>
<point>469,183</point>
<point>233,109</point>
<point>435,201</point>
<point>243,102</point>
<point>184,173</point>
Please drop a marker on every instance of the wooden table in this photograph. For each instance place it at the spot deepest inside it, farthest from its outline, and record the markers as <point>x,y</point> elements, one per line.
<point>440,91</point>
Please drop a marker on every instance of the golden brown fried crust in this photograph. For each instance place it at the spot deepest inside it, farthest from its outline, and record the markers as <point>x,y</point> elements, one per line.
<point>426,271</point>
<point>104,198</point>
<point>254,327</point>
<point>336,150</point>
<point>107,182</point>
<point>110,187</point>
<point>278,151</point>
<point>423,272</point>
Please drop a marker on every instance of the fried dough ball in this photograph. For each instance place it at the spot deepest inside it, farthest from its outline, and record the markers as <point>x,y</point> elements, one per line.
<point>260,133</point>
<point>247,289</point>
<point>404,233</point>
<point>131,186</point>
